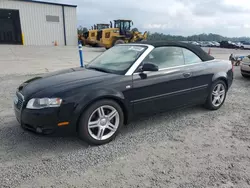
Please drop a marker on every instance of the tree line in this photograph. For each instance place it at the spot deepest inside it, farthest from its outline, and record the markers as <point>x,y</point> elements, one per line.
<point>200,37</point>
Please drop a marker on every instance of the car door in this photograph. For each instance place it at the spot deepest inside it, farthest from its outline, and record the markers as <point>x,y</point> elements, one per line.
<point>167,88</point>
<point>202,73</point>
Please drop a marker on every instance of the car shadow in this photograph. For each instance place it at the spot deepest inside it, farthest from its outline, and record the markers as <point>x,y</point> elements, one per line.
<point>245,78</point>
<point>17,141</point>
<point>164,119</point>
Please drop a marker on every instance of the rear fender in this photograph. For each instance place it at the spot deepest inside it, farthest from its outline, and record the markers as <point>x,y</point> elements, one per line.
<point>220,76</point>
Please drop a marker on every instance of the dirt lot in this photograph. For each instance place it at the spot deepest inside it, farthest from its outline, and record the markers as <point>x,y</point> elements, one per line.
<point>187,148</point>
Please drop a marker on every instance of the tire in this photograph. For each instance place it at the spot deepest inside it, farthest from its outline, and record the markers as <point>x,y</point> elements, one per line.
<point>209,102</point>
<point>90,135</point>
<point>94,45</point>
<point>119,41</point>
<point>245,76</point>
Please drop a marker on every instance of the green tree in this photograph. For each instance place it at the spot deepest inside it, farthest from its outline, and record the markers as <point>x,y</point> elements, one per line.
<point>199,37</point>
<point>81,30</point>
<point>135,29</point>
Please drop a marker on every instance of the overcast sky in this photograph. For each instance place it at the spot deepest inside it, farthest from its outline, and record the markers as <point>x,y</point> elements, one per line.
<point>181,17</point>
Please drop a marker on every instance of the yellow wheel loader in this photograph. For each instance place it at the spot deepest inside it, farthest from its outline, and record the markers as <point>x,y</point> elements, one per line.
<point>120,33</point>
<point>94,34</point>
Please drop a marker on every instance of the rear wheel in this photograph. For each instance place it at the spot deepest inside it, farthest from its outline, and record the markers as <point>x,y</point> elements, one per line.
<point>101,122</point>
<point>217,95</point>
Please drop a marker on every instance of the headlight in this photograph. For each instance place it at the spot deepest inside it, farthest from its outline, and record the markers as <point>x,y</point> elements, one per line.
<point>44,103</point>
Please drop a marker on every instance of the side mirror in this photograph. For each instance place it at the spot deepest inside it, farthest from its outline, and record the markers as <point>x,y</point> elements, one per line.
<point>149,67</point>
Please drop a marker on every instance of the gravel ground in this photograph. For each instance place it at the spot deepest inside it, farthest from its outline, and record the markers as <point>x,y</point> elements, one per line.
<point>187,148</point>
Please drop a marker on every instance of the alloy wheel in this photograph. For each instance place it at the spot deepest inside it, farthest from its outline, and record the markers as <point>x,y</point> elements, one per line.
<point>103,122</point>
<point>218,94</point>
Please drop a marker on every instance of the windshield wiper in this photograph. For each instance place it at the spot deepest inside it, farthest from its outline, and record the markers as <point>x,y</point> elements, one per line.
<point>98,69</point>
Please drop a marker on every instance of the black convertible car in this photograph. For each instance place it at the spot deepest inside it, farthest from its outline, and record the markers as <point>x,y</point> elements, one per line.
<point>126,81</point>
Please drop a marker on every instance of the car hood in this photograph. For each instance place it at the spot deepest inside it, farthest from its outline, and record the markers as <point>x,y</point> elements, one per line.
<point>60,79</point>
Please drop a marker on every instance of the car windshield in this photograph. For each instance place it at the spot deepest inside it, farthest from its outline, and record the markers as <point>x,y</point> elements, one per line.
<point>118,59</point>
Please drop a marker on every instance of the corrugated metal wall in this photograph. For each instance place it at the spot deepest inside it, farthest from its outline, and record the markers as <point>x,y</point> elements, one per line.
<point>36,30</point>
<point>71,25</point>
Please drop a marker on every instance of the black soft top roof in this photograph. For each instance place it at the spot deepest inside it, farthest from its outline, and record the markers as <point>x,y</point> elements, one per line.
<point>196,49</point>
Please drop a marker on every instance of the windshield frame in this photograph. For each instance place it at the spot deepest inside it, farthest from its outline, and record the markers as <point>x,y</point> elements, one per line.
<point>123,72</point>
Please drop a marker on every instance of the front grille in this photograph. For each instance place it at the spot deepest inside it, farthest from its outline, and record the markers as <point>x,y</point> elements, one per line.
<point>20,100</point>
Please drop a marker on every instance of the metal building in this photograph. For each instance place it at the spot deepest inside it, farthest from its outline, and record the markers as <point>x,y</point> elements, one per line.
<point>37,23</point>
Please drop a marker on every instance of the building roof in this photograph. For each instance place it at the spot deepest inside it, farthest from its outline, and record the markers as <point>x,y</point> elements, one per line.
<point>49,3</point>
<point>195,49</point>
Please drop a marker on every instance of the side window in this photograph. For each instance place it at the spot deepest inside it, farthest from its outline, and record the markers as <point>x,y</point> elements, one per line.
<point>165,57</point>
<point>190,57</point>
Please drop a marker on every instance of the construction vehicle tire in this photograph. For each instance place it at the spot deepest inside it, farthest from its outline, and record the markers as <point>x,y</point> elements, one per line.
<point>93,45</point>
<point>119,41</point>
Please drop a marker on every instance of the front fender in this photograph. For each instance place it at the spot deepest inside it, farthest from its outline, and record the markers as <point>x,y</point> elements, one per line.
<point>95,95</point>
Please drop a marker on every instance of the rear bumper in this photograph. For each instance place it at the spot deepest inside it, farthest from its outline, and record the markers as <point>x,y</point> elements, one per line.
<point>230,78</point>
<point>230,82</point>
<point>244,72</point>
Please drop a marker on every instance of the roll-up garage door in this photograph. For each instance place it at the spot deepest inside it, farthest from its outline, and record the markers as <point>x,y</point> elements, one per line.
<point>10,27</point>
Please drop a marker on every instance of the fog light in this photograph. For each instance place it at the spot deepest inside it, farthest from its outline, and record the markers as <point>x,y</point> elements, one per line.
<point>39,130</point>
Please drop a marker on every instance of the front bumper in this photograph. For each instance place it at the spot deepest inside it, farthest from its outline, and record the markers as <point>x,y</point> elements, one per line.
<point>43,121</point>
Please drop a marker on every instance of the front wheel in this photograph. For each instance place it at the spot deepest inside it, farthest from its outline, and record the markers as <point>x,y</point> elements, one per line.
<point>217,95</point>
<point>101,122</point>
<point>119,41</point>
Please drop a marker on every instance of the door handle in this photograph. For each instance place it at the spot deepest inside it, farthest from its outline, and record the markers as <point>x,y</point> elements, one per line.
<point>187,75</point>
